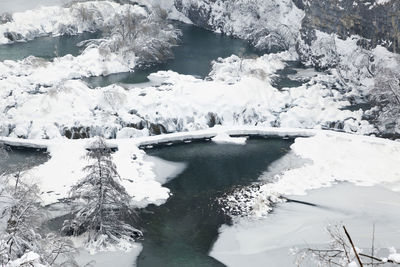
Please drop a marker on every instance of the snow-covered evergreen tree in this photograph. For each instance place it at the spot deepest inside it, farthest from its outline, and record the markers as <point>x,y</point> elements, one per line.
<point>101,202</point>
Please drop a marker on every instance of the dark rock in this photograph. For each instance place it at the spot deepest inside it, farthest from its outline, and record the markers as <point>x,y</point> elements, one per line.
<point>378,23</point>
<point>12,36</point>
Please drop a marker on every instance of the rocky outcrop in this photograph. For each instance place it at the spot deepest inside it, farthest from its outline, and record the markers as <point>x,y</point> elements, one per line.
<point>376,20</point>
<point>270,21</point>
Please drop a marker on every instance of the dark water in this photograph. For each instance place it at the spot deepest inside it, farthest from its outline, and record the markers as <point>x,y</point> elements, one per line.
<point>46,47</point>
<point>16,159</point>
<point>362,106</point>
<point>182,231</point>
<point>193,55</point>
<point>283,80</point>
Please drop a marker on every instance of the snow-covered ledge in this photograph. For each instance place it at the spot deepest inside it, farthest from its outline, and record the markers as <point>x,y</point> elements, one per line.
<point>172,137</point>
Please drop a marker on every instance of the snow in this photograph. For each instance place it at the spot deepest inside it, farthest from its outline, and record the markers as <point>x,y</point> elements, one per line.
<point>224,138</point>
<point>258,21</point>
<point>58,20</point>
<point>28,259</point>
<point>342,157</point>
<point>394,256</point>
<point>169,6</point>
<point>11,6</point>
<point>329,157</point>
<point>326,158</point>
<point>238,92</point>
<point>303,74</point>
<point>271,239</point>
<point>322,161</point>
<point>348,61</point>
<point>139,176</point>
<point>63,169</point>
<point>110,258</point>
<point>32,73</point>
<point>165,170</point>
<point>382,2</point>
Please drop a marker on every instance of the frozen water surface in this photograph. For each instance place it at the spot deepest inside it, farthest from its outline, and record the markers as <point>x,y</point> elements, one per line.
<point>267,242</point>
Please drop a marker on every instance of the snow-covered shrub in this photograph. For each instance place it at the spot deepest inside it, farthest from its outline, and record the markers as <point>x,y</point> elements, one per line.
<point>23,214</point>
<point>147,36</point>
<point>5,17</point>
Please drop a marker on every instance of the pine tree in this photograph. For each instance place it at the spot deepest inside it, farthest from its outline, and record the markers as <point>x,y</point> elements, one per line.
<point>101,202</point>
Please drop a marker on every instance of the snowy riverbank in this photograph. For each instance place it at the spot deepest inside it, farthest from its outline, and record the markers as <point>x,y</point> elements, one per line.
<point>357,159</point>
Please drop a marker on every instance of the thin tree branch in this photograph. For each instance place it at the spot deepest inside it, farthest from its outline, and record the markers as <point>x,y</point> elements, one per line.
<point>354,249</point>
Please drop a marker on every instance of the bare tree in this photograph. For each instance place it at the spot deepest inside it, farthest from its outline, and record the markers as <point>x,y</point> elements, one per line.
<point>342,251</point>
<point>148,38</point>
<point>24,214</point>
<point>386,94</point>
<point>101,202</point>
